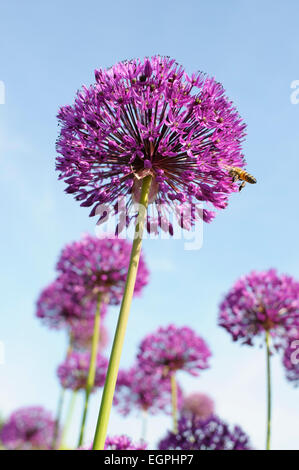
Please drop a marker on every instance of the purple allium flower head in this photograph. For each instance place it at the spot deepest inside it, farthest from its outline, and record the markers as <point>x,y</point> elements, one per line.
<point>28,428</point>
<point>139,391</point>
<point>209,434</point>
<point>81,332</point>
<point>119,443</point>
<point>73,372</point>
<point>173,348</point>
<point>199,405</point>
<point>150,117</point>
<point>259,302</point>
<point>291,360</point>
<point>57,306</point>
<point>99,266</point>
<point>123,443</point>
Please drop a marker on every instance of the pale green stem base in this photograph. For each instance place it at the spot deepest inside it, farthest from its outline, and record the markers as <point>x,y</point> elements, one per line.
<point>58,417</point>
<point>268,358</point>
<point>174,401</point>
<point>92,367</point>
<point>107,398</point>
<point>60,402</point>
<point>68,419</point>
<point>144,425</point>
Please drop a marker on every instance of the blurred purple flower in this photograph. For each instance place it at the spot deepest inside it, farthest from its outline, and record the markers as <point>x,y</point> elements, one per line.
<point>260,302</point>
<point>119,443</point>
<point>73,372</point>
<point>123,443</point>
<point>81,332</point>
<point>209,434</point>
<point>150,117</point>
<point>138,391</point>
<point>173,348</point>
<point>57,307</point>
<point>199,405</point>
<point>291,360</point>
<point>96,266</point>
<point>29,428</point>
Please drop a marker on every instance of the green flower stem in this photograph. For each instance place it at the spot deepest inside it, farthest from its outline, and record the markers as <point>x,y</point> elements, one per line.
<point>174,401</point>
<point>92,367</point>
<point>60,401</point>
<point>144,425</point>
<point>268,358</point>
<point>58,417</point>
<point>107,397</point>
<point>68,419</point>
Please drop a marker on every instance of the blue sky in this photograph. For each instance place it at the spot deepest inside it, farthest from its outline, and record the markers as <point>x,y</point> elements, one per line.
<point>48,50</point>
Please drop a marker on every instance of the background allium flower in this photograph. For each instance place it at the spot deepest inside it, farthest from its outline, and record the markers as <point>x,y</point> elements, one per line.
<point>259,302</point>
<point>209,434</point>
<point>73,372</point>
<point>199,405</point>
<point>139,391</point>
<point>291,360</point>
<point>57,306</point>
<point>123,443</point>
<point>99,266</point>
<point>28,428</point>
<point>81,332</point>
<point>150,117</point>
<point>173,348</point>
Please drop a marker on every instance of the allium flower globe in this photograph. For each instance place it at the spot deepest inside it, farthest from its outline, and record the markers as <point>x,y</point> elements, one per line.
<point>29,428</point>
<point>198,405</point>
<point>98,266</point>
<point>209,434</point>
<point>73,372</point>
<point>57,306</point>
<point>291,360</point>
<point>149,117</point>
<point>81,332</point>
<point>173,348</point>
<point>123,443</point>
<point>260,302</point>
<point>138,391</point>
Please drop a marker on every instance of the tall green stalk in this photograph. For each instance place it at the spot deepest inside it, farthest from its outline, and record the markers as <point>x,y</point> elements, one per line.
<point>268,358</point>
<point>107,397</point>
<point>174,401</point>
<point>92,367</point>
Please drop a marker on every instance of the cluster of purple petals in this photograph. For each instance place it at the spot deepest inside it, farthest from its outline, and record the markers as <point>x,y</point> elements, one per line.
<point>123,443</point>
<point>81,333</point>
<point>98,266</point>
<point>73,372</point>
<point>173,348</point>
<point>139,391</point>
<point>145,117</point>
<point>291,360</point>
<point>259,302</point>
<point>57,306</point>
<point>199,405</point>
<point>27,429</point>
<point>209,434</point>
